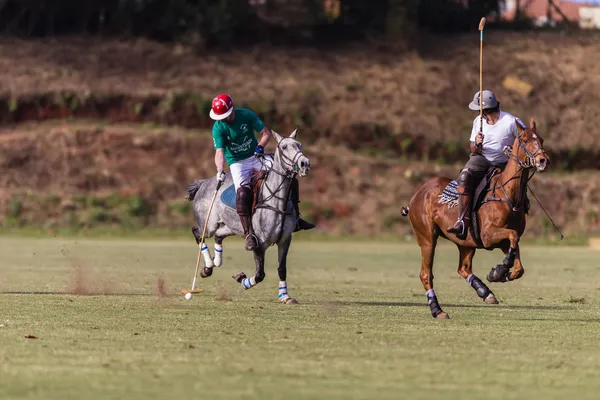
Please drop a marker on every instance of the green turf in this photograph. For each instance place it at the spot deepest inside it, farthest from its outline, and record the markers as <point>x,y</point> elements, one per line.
<point>362,331</point>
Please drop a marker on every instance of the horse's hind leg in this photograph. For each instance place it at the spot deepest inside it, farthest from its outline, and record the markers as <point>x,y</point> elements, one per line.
<point>465,269</point>
<point>427,255</point>
<point>282,250</point>
<point>218,251</point>
<point>259,259</point>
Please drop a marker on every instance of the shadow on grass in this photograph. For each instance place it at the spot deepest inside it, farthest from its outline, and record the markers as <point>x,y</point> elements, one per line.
<point>424,304</point>
<point>82,294</point>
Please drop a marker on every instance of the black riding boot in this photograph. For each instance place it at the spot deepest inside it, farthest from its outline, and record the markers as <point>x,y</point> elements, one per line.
<point>465,193</point>
<point>295,197</point>
<point>244,209</point>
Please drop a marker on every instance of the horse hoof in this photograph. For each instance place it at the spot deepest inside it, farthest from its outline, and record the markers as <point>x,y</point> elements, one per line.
<point>443,315</point>
<point>290,301</point>
<point>239,277</point>
<point>498,274</point>
<point>206,272</point>
<point>491,299</point>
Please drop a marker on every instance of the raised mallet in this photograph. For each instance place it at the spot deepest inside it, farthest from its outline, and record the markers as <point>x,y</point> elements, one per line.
<point>481,26</point>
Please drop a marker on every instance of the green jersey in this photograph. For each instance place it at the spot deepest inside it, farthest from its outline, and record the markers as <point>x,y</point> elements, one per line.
<point>237,138</point>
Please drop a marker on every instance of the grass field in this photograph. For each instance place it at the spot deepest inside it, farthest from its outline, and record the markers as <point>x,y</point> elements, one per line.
<point>362,331</point>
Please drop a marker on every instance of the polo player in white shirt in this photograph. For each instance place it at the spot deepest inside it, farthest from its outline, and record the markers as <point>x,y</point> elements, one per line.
<point>499,131</point>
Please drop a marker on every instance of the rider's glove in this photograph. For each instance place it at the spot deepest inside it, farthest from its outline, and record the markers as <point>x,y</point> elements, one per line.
<point>259,152</point>
<point>220,176</point>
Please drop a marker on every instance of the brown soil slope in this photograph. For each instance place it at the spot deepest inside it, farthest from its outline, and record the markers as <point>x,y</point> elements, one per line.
<point>368,98</point>
<point>77,176</point>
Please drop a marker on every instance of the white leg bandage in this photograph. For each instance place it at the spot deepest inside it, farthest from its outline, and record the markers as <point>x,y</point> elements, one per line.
<point>208,261</point>
<point>218,255</point>
<point>247,283</point>
<point>283,293</point>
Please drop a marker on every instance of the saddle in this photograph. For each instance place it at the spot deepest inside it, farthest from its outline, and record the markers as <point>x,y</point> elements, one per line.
<point>228,196</point>
<point>255,183</point>
<point>449,196</point>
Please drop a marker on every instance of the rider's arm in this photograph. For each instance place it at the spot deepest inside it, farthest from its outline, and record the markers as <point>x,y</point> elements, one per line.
<point>266,135</point>
<point>475,149</point>
<point>220,160</point>
<point>219,145</point>
<point>474,134</point>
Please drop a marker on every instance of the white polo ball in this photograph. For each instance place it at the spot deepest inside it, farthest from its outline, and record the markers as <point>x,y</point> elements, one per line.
<point>188,296</point>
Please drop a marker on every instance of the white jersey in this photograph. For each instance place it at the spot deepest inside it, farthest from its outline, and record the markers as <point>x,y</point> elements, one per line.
<point>497,136</point>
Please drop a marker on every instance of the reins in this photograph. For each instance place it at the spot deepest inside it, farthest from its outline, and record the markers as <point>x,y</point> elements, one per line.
<point>290,170</point>
<point>523,166</point>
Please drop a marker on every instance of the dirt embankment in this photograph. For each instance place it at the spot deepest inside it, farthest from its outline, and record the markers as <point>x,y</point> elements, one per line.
<point>77,176</point>
<point>391,119</point>
<point>375,100</point>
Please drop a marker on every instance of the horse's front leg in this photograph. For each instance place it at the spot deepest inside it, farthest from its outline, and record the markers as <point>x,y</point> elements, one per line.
<point>518,270</point>
<point>259,259</point>
<point>494,236</point>
<point>282,249</point>
<point>465,269</point>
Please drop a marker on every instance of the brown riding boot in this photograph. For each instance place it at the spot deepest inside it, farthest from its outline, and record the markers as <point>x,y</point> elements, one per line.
<point>465,193</point>
<point>244,210</point>
<point>295,197</point>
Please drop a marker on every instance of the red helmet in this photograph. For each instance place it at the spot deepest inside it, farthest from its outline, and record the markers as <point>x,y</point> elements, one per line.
<point>222,107</point>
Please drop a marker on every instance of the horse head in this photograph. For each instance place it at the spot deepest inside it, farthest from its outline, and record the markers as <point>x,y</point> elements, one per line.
<point>289,156</point>
<point>530,151</point>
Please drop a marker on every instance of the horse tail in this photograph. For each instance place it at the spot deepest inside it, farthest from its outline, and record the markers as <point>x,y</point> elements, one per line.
<point>405,211</point>
<point>192,189</point>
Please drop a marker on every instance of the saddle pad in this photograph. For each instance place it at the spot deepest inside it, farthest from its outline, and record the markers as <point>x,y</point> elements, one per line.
<point>450,195</point>
<point>228,196</point>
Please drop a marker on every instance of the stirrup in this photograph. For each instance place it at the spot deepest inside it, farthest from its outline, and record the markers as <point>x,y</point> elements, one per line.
<point>461,232</point>
<point>251,236</point>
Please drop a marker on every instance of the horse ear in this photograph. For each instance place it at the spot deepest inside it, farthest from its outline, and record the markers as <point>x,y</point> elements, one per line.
<point>293,135</point>
<point>276,135</point>
<point>520,128</point>
<point>532,124</point>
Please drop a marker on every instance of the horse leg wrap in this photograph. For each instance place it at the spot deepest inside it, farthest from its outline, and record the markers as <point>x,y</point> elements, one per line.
<point>434,306</point>
<point>283,293</point>
<point>509,260</point>
<point>476,283</point>
<point>218,255</point>
<point>208,261</point>
<point>499,274</point>
<point>248,283</point>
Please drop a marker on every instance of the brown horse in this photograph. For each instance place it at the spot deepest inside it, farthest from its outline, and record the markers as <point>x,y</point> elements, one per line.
<point>500,216</point>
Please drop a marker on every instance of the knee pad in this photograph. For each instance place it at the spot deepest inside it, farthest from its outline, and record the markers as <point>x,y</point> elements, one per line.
<point>243,201</point>
<point>465,179</point>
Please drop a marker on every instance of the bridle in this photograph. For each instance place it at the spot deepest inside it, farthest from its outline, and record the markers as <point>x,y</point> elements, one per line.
<point>530,161</point>
<point>524,166</point>
<point>290,165</point>
<point>290,169</point>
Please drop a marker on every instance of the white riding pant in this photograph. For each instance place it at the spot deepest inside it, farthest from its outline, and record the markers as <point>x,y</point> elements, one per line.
<point>242,171</point>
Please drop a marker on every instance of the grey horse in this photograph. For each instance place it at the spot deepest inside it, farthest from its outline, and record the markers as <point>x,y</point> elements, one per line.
<point>274,219</point>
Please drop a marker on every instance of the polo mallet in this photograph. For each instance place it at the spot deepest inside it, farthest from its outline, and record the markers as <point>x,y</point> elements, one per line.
<point>194,290</point>
<point>481,25</point>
